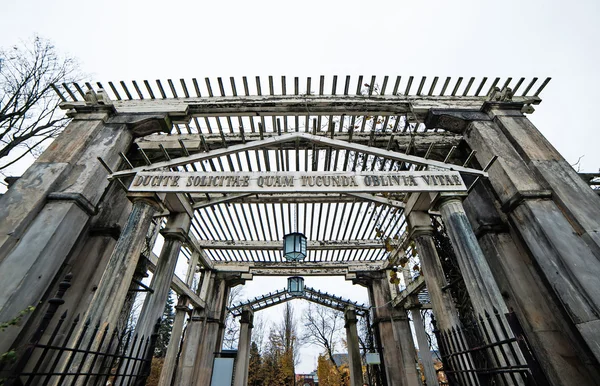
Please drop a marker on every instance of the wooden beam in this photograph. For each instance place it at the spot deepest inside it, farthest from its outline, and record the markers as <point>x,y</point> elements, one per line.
<point>178,285</point>
<point>275,140</point>
<point>412,289</point>
<point>278,245</point>
<point>419,142</point>
<point>182,109</point>
<point>332,268</point>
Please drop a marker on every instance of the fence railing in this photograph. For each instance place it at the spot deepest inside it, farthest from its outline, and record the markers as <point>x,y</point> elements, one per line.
<point>79,354</point>
<point>483,352</point>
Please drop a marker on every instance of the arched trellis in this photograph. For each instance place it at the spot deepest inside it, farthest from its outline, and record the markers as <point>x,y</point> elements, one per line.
<point>310,294</point>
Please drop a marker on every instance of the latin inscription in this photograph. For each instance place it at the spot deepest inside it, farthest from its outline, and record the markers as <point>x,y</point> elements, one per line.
<point>281,182</point>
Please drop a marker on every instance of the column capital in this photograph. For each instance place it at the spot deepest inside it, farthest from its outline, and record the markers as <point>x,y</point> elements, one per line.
<point>151,199</point>
<point>419,224</point>
<point>178,226</point>
<point>247,316</point>
<point>350,316</point>
<point>444,198</point>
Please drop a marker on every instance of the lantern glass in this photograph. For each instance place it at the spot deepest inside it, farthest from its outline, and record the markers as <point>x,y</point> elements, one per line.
<point>296,285</point>
<point>294,246</point>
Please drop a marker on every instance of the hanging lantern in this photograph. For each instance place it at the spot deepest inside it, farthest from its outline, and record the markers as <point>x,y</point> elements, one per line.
<point>296,285</point>
<point>294,246</point>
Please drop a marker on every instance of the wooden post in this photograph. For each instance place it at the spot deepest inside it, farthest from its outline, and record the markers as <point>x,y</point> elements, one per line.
<point>242,359</point>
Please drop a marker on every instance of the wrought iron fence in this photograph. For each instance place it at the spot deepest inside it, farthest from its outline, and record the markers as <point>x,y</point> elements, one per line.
<point>80,354</point>
<point>483,352</point>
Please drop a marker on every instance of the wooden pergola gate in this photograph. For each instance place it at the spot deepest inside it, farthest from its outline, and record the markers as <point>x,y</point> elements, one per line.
<point>359,169</point>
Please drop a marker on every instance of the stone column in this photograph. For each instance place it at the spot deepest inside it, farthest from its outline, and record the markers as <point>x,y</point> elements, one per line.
<point>112,289</point>
<point>421,231</point>
<point>550,337</point>
<point>354,358</point>
<point>211,338</point>
<point>174,234</point>
<point>549,210</point>
<point>46,211</point>
<point>481,285</point>
<point>426,357</point>
<point>181,310</point>
<point>242,360</point>
<point>550,219</point>
<point>394,335</point>
<point>190,349</point>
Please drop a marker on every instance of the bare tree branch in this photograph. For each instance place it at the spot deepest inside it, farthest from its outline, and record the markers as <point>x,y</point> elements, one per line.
<point>29,112</point>
<point>323,326</point>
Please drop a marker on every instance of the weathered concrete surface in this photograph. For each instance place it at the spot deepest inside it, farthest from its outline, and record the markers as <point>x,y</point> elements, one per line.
<point>481,284</point>
<point>441,301</point>
<point>108,299</point>
<point>211,339</point>
<point>579,203</point>
<point>426,357</point>
<point>354,359</point>
<point>168,370</point>
<point>29,269</point>
<point>551,234</point>
<point>394,336</point>
<point>242,359</point>
<point>22,202</point>
<point>193,337</point>
<point>86,262</point>
<point>559,351</point>
<point>174,235</point>
<point>26,197</point>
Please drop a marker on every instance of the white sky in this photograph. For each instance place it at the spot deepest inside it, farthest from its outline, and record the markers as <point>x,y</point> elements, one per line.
<point>126,40</point>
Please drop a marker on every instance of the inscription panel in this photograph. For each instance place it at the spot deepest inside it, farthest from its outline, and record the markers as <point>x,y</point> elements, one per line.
<point>297,182</point>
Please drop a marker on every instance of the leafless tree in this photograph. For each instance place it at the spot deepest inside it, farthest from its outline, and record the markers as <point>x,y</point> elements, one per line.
<point>259,330</point>
<point>287,332</point>
<point>323,327</point>
<point>232,325</point>
<point>29,113</point>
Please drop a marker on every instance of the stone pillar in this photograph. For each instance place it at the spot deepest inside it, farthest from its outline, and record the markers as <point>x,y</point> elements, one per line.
<point>45,212</point>
<point>190,347</point>
<point>211,338</point>
<point>354,358</point>
<point>426,357</point>
<point>112,290</point>
<point>174,235</point>
<point>477,275</point>
<point>394,335</point>
<point>242,360</point>
<point>550,337</point>
<point>181,310</point>
<point>421,231</point>
<point>552,221</point>
<point>546,205</point>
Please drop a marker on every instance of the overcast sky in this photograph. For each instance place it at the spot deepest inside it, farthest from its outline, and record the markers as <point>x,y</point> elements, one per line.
<point>126,40</point>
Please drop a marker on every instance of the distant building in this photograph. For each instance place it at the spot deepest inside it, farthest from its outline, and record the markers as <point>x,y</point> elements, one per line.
<point>307,379</point>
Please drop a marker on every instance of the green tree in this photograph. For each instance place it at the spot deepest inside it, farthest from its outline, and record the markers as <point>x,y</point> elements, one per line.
<point>255,366</point>
<point>165,327</point>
